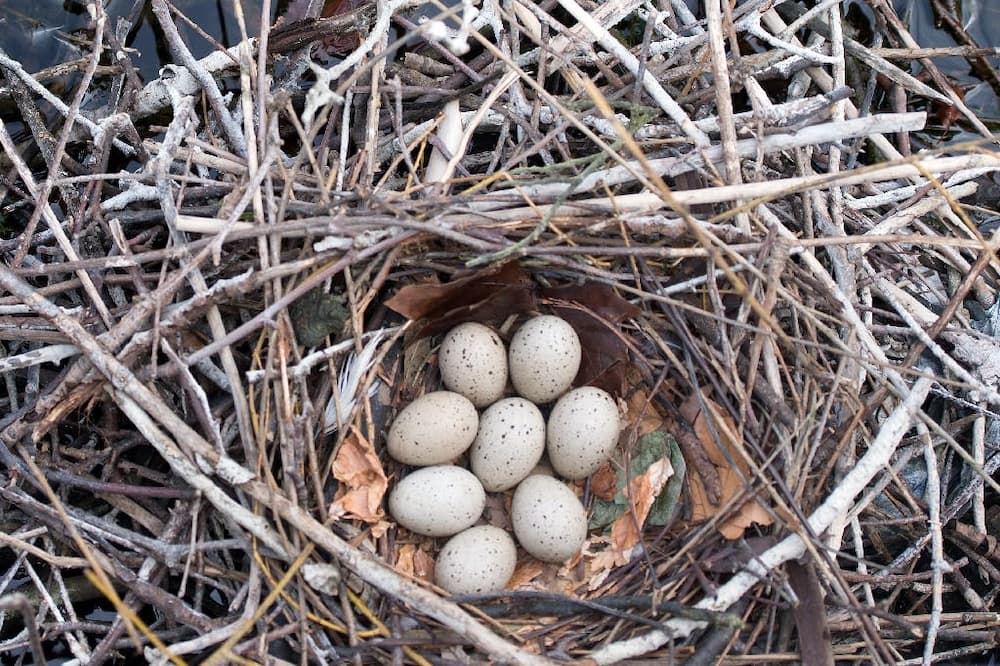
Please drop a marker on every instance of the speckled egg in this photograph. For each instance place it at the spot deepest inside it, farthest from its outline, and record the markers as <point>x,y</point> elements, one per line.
<point>544,358</point>
<point>510,442</point>
<point>477,561</point>
<point>549,521</point>
<point>438,501</point>
<point>582,432</point>
<point>473,362</point>
<point>435,428</point>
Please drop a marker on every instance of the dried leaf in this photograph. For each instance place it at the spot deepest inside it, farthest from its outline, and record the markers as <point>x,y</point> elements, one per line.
<point>638,494</point>
<point>362,480</point>
<point>496,512</point>
<point>485,296</point>
<point>642,414</point>
<point>723,451</point>
<point>666,503</point>
<point>651,449</point>
<point>404,559</point>
<point>604,484</point>
<point>414,561</point>
<point>600,299</point>
<point>423,565</point>
<point>527,570</point>
<point>595,312</point>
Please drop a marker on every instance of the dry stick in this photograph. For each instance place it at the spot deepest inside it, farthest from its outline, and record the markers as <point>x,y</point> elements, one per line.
<point>979,456</point>
<point>790,115</point>
<point>937,51</point>
<point>915,315</point>
<point>724,102</point>
<point>768,144</point>
<point>844,260</point>
<point>649,202</point>
<point>130,393</point>
<point>838,503</point>
<point>986,255</point>
<point>321,94</point>
<point>60,400</point>
<point>388,581</point>
<point>42,203</point>
<point>631,63</point>
<point>890,15</point>
<point>18,602</point>
<point>938,564</point>
<point>272,311</point>
<point>182,54</point>
<point>95,130</point>
<point>177,520</point>
<point>217,635</point>
<point>183,109</point>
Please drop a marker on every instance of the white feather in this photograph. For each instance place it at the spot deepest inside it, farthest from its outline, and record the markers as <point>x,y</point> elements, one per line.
<point>352,372</point>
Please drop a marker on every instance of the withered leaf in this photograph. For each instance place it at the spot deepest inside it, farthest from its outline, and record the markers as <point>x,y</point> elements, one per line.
<point>595,311</point>
<point>723,451</point>
<point>485,296</point>
<point>362,480</point>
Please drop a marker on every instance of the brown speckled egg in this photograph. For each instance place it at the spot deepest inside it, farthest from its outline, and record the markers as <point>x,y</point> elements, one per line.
<point>582,432</point>
<point>544,357</point>
<point>438,501</point>
<point>549,521</point>
<point>435,428</point>
<point>479,560</point>
<point>510,442</point>
<point>473,362</point>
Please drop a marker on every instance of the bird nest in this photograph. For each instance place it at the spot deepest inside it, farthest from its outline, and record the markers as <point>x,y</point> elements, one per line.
<point>220,286</point>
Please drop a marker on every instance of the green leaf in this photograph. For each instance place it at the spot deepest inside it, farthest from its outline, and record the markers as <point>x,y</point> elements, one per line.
<point>604,513</point>
<point>651,448</point>
<point>666,503</point>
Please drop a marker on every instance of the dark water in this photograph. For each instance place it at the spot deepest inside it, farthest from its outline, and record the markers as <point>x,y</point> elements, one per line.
<point>981,19</point>
<point>41,33</point>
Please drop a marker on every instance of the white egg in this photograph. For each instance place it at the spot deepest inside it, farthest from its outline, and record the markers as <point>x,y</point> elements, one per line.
<point>510,442</point>
<point>549,521</point>
<point>582,432</point>
<point>477,561</point>
<point>438,501</point>
<point>473,362</point>
<point>435,428</point>
<point>544,357</point>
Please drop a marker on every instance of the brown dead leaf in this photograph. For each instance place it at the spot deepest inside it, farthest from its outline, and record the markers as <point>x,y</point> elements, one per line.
<point>642,413</point>
<point>724,453</point>
<point>485,296</point>
<point>404,559</point>
<point>600,559</point>
<point>362,480</point>
<point>414,561</point>
<point>423,565</point>
<point>497,511</point>
<point>596,312</point>
<point>749,513</point>
<point>604,483</point>
<point>527,570</point>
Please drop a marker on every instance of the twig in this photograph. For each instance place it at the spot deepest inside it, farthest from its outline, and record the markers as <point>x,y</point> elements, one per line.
<point>181,52</point>
<point>631,63</point>
<point>18,602</point>
<point>837,503</point>
<point>939,566</point>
